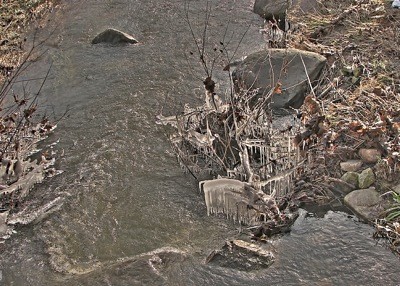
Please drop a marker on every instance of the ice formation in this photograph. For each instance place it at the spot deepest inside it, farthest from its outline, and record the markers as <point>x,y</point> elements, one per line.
<point>240,141</point>
<point>233,198</point>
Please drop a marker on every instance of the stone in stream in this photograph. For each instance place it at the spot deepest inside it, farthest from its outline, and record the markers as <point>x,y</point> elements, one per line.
<point>113,36</point>
<point>366,203</point>
<point>366,178</point>
<point>242,255</point>
<point>264,70</point>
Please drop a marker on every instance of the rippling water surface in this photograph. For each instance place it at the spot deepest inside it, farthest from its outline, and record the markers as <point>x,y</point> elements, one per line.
<point>131,216</point>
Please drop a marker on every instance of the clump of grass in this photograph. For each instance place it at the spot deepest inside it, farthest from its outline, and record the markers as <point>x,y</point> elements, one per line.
<point>393,213</point>
<point>389,227</point>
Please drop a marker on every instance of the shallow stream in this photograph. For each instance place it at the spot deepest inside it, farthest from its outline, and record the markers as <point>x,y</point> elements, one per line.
<point>131,216</point>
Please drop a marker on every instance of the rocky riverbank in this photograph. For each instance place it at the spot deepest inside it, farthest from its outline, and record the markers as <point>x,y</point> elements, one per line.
<point>358,95</point>
<point>333,67</point>
<point>354,152</point>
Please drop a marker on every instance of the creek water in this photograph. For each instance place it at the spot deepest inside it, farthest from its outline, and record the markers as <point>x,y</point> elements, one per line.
<point>130,215</point>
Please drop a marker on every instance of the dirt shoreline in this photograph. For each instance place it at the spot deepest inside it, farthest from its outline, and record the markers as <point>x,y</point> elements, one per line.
<point>20,129</point>
<point>16,17</point>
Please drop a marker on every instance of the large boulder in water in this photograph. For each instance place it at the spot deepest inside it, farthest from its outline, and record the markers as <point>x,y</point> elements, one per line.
<point>266,69</point>
<point>269,9</point>
<point>113,36</point>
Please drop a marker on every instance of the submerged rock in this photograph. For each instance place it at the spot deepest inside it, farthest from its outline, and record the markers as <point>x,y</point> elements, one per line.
<point>366,178</point>
<point>242,255</point>
<point>113,36</point>
<point>265,70</point>
<point>365,203</point>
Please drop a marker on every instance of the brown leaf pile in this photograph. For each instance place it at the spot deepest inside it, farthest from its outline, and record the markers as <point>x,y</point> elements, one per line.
<point>359,91</point>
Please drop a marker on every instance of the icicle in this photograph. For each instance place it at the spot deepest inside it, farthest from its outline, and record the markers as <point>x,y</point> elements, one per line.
<point>208,203</point>
<point>289,148</point>
<point>215,192</point>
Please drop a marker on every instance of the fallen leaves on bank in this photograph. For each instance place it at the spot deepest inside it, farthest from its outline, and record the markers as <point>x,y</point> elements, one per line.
<point>356,104</point>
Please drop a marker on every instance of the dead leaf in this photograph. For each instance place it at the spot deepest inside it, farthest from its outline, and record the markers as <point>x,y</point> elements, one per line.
<point>311,105</point>
<point>278,88</point>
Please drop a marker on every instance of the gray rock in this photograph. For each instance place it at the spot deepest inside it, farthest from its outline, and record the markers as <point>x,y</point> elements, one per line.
<point>351,178</point>
<point>242,255</point>
<point>340,186</point>
<point>263,70</point>
<point>351,165</point>
<point>369,155</point>
<point>270,9</point>
<point>365,203</point>
<point>113,36</point>
<point>366,178</point>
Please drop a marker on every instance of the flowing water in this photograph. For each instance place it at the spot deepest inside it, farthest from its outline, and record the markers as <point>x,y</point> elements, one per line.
<point>131,216</point>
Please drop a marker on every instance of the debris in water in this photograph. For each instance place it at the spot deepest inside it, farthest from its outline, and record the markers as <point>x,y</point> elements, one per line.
<point>256,163</point>
<point>242,255</point>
